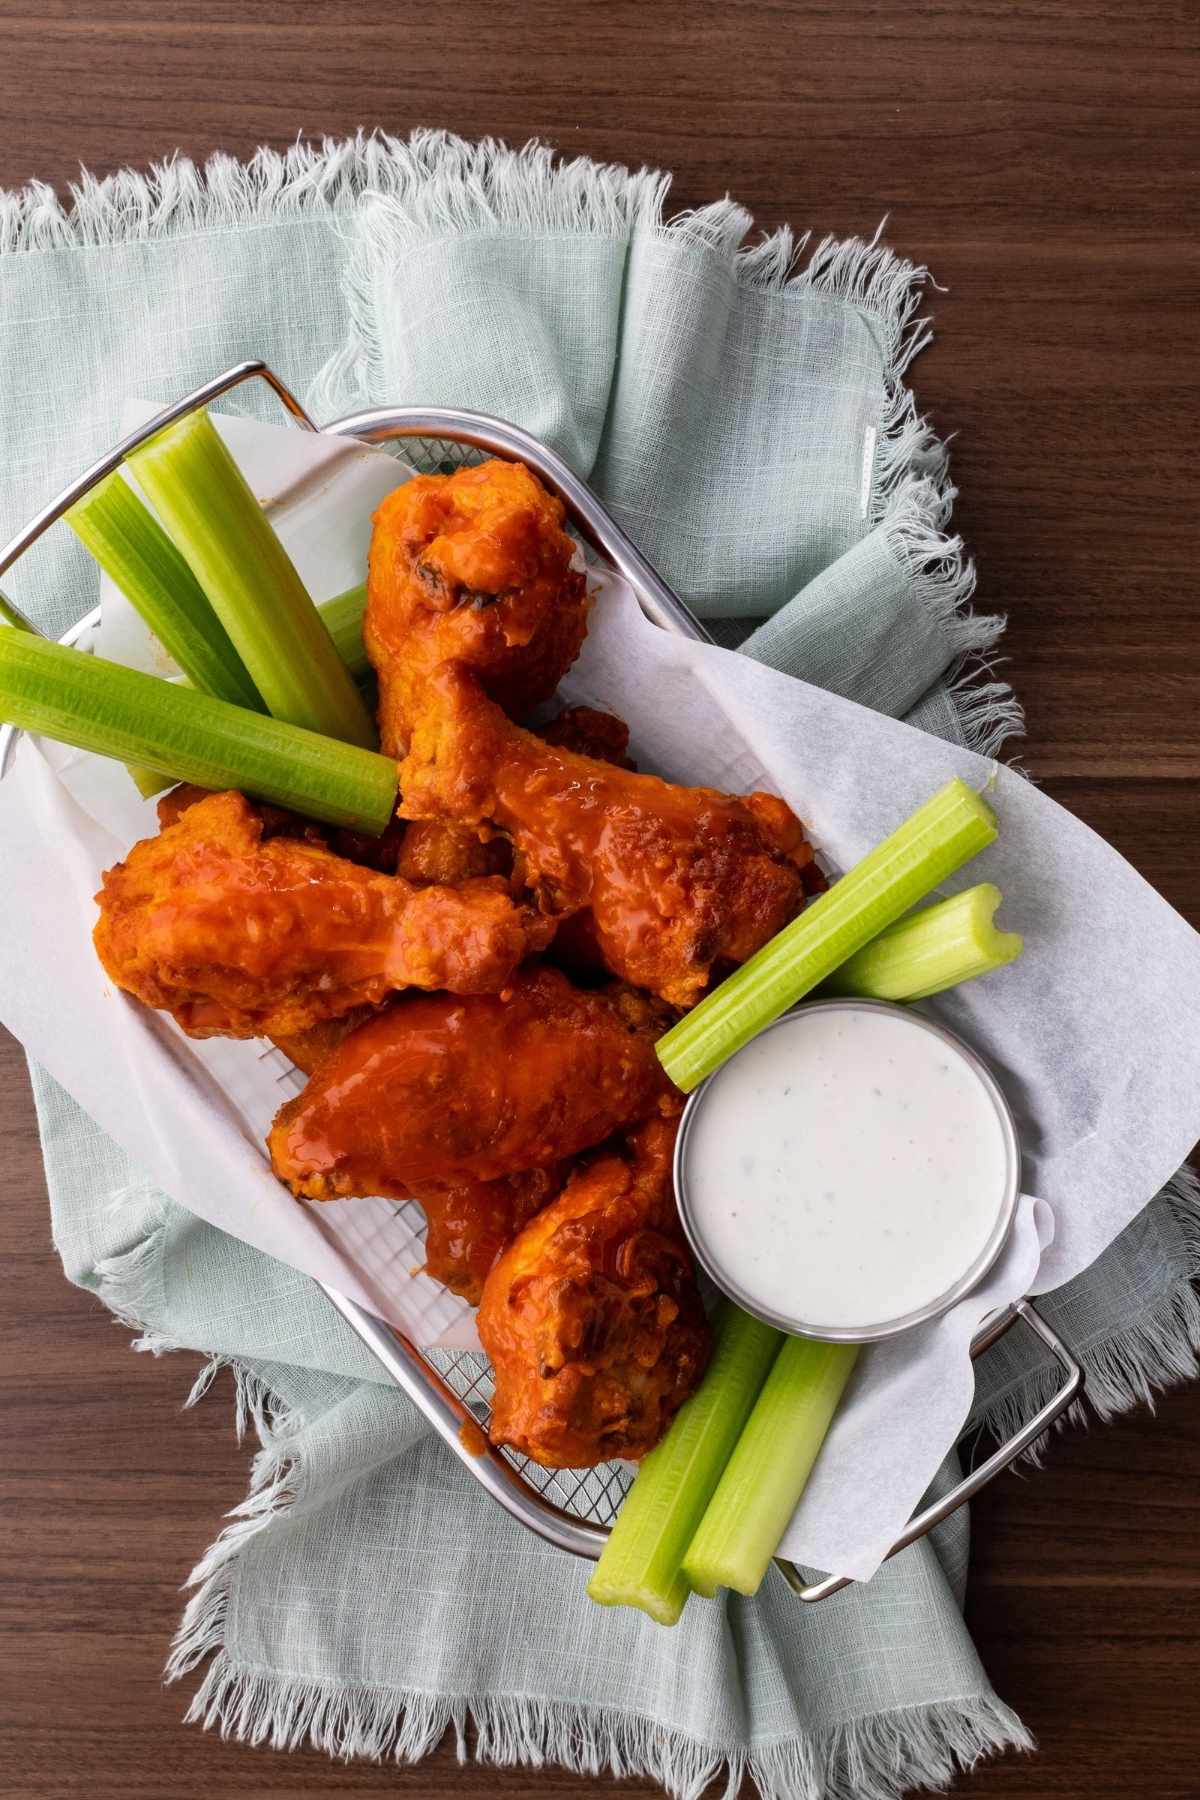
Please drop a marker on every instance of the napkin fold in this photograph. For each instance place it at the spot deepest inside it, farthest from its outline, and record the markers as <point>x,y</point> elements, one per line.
<point>745,415</point>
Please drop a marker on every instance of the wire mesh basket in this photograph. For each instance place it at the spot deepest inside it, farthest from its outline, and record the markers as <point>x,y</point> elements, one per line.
<point>572,1508</point>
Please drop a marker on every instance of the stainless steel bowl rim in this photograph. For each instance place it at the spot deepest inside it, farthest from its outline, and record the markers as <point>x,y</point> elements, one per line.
<point>970,1279</point>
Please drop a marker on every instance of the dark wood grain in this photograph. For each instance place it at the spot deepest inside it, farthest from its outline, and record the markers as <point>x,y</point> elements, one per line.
<point>1041,156</point>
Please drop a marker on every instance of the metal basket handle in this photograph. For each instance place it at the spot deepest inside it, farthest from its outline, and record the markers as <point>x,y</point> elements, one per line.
<point>976,1479</point>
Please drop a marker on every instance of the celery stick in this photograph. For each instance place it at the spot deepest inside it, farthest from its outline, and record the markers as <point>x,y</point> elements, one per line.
<point>148,782</point>
<point>766,1474</point>
<point>938,838</point>
<point>101,706</point>
<point>640,1564</point>
<point>203,500</point>
<point>343,620</point>
<point>948,943</point>
<point>131,546</point>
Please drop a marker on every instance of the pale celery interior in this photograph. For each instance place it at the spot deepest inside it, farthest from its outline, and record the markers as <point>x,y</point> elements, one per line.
<point>942,946</point>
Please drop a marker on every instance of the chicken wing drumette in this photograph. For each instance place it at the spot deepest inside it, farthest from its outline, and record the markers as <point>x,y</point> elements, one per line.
<point>592,1318</point>
<point>473,569</point>
<point>471,597</point>
<point>242,935</point>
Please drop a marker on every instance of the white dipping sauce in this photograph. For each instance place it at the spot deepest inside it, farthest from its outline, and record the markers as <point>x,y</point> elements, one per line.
<point>846,1168</point>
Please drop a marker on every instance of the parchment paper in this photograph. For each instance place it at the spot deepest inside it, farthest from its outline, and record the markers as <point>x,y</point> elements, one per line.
<point>1094,1033</point>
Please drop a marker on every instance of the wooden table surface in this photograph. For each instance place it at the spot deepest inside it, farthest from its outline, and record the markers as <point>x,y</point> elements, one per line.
<point>1040,155</point>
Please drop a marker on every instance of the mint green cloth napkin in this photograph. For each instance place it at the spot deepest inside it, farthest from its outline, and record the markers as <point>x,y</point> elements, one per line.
<point>745,415</point>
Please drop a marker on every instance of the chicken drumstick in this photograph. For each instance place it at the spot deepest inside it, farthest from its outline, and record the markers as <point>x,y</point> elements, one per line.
<point>469,596</point>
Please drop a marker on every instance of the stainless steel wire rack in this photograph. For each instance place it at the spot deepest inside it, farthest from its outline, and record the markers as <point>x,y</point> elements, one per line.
<point>571,1508</point>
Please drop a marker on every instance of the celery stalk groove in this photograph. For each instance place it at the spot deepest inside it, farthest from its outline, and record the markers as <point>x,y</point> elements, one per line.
<point>930,845</point>
<point>204,501</point>
<point>97,705</point>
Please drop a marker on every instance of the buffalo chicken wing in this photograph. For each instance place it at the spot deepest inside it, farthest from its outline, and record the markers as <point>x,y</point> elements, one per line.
<point>460,1103</point>
<point>675,880</point>
<point>473,569</point>
<point>471,593</point>
<point>244,936</point>
<point>592,1318</point>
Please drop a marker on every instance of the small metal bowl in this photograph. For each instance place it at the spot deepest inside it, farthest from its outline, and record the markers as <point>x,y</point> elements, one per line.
<point>933,1309</point>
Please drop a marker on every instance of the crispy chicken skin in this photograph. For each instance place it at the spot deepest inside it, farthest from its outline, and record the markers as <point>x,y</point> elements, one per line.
<point>309,1048</point>
<point>433,851</point>
<point>676,880</point>
<point>592,1318</point>
<point>474,569</point>
<point>240,935</point>
<point>439,1093</point>
<point>589,732</point>
<point>382,852</point>
<point>274,821</point>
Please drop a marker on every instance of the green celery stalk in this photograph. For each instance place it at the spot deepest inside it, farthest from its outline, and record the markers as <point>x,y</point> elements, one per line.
<point>640,1564</point>
<point>148,782</point>
<point>342,616</point>
<point>343,620</point>
<point>130,545</point>
<point>207,507</point>
<point>96,705</point>
<point>938,838</point>
<point>953,941</point>
<point>771,1462</point>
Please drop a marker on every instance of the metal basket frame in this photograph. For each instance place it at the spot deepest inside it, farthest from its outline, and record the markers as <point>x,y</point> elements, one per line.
<point>455,1401</point>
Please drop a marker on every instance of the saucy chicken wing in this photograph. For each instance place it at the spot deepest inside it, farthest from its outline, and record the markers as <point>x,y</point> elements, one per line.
<point>469,1106</point>
<point>307,1049</point>
<point>592,1318</point>
<point>439,850</point>
<point>675,880</point>
<point>589,733</point>
<point>433,851</point>
<point>474,569</point>
<point>241,935</point>
<point>464,588</point>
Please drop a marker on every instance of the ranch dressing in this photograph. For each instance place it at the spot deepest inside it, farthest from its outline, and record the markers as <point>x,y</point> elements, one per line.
<point>848,1168</point>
